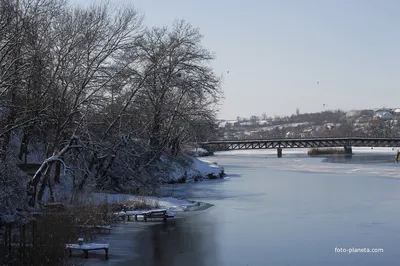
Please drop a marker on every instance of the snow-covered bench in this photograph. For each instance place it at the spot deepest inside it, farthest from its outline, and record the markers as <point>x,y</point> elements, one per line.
<point>86,247</point>
<point>146,214</point>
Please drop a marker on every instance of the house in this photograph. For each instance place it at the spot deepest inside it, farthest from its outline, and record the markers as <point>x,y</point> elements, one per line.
<point>245,124</point>
<point>384,115</point>
<point>222,124</point>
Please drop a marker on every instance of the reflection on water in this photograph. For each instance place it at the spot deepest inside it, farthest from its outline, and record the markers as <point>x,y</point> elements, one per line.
<point>179,242</point>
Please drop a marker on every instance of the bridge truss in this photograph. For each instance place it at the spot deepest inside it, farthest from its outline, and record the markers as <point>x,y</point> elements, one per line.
<point>225,145</point>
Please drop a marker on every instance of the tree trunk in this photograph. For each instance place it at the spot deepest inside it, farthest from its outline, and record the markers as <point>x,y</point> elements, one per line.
<point>10,121</point>
<point>57,172</point>
<point>92,163</point>
<point>32,186</point>
<point>51,190</point>
<point>44,169</point>
<point>43,186</point>
<point>155,131</point>
<point>23,150</point>
<point>103,172</point>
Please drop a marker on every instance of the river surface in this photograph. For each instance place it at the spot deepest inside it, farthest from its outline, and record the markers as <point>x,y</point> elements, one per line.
<point>288,211</point>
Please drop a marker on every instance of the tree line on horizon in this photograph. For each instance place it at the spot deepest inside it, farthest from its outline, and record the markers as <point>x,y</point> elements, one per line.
<point>329,124</point>
<point>330,115</point>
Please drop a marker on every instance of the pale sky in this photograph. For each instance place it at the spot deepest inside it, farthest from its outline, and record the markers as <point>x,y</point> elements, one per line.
<point>277,51</point>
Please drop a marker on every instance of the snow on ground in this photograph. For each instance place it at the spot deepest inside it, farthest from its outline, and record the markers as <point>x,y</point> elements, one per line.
<point>198,167</point>
<point>269,128</point>
<point>200,152</point>
<point>170,203</point>
<point>205,167</point>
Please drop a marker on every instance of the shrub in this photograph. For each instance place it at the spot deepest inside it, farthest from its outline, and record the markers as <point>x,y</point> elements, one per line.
<point>197,178</point>
<point>46,236</point>
<point>142,204</point>
<point>212,176</point>
<point>324,151</point>
<point>222,173</point>
<point>182,179</point>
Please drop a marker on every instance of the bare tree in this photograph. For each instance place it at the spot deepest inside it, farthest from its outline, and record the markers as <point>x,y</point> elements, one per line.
<point>92,92</point>
<point>86,43</point>
<point>182,87</point>
<point>264,116</point>
<point>254,119</point>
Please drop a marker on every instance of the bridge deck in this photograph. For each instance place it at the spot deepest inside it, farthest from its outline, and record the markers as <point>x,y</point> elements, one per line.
<point>224,145</point>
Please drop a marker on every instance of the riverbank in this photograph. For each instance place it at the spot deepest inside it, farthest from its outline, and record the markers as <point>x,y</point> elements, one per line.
<point>197,169</point>
<point>169,203</point>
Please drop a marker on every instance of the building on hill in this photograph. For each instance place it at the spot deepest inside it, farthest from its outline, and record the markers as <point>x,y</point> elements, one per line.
<point>396,111</point>
<point>383,115</point>
<point>229,124</point>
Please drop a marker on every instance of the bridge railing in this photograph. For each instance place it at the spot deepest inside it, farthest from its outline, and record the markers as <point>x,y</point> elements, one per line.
<point>303,139</point>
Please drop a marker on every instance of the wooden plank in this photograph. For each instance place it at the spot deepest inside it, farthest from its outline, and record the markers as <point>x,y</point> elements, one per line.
<point>87,246</point>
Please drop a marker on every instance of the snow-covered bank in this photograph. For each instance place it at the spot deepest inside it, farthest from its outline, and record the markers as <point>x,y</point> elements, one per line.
<point>170,203</point>
<point>196,168</point>
<point>204,167</point>
<point>200,152</point>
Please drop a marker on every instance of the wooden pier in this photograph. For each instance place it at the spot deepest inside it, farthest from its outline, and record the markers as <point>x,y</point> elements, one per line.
<point>147,214</point>
<point>86,247</point>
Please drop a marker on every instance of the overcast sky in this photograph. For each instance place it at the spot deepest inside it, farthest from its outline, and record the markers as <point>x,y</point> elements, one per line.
<point>285,54</point>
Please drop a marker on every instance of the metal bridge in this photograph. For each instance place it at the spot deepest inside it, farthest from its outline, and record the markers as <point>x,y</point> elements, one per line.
<point>279,144</point>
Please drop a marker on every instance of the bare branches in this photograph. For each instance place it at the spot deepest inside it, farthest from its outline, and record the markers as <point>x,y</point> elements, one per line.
<point>131,93</point>
<point>181,87</point>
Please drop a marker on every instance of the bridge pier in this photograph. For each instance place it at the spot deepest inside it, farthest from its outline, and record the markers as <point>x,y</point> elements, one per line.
<point>348,150</point>
<point>279,150</point>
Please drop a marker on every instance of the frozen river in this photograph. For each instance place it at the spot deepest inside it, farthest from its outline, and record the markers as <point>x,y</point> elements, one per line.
<point>268,211</point>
